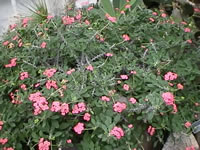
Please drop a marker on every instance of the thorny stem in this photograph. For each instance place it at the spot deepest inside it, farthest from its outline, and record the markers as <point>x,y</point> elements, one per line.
<point>116,44</point>
<point>29,64</point>
<point>99,31</point>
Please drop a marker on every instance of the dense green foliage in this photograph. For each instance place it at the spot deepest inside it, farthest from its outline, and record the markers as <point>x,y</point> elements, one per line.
<point>155,47</point>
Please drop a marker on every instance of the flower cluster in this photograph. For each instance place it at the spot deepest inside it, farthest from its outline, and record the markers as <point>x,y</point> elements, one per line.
<point>68,20</point>
<point>39,102</point>
<point>43,145</point>
<point>117,132</point>
<point>51,84</point>
<point>49,72</point>
<point>168,98</point>
<point>24,75</point>
<point>87,117</point>
<point>170,76</point>
<point>79,128</point>
<point>105,98</point>
<point>119,107</point>
<point>60,107</point>
<point>12,63</point>
<point>112,19</point>
<point>3,141</point>
<point>78,108</point>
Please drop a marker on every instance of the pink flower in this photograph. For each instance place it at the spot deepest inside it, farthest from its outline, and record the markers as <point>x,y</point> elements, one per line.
<point>12,26</point>
<point>79,128</point>
<point>70,71</point>
<point>12,63</point>
<point>180,86</point>
<point>90,68</point>
<point>117,132</point>
<point>68,20</point>
<point>87,22</point>
<point>112,19</point>
<point>124,77</point>
<point>170,84</point>
<point>25,22</point>
<point>78,17</point>
<point>64,109</point>
<point>78,108</point>
<point>189,41</point>
<point>23,86</point>
<point>3,141</point>
<point>20,44</point>
<point>190,148</point>
<point>184,23</point>
<point>1,123</point>
<point>49,17</point>
<point>197,10</point>
<point>128,6</point>
<point>170,76</point>
<point>56,106</point>
<point>24,75</point>
<point>37,85</point>
<point>108,54</point>
<point>87,117</point>
<point>130,126</point>
<point>69,141</point>
<point>90,8</point>
<point>119,107</point>
<point>5,43</point>
<point>187,30</point>
<point>43,45</point>
<point>163,15</point>
<point>105,98</point>
<point>126,87</point>
<point>39,102</point>
<point>126,37</point>
<point>187,124</point>
<point>101,39</point>
<point>174,109</point>
<point>132,100</point>
<point>168,98</point>
<point>9,148</point>
<point>133,72</point>
<point>35,96</point>
<point>122,12</point>
<point>155,13</point>
<point>43,145</point>
<point>49,72</point>
<point>151,19</point>
<point>151,130</point>
<point>50,84</point>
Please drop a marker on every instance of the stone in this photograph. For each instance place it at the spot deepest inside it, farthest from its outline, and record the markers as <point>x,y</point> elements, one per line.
<point>179,141</point>
<point>56,8</point>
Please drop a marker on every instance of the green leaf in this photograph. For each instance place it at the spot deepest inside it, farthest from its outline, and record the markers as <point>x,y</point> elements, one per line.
<point>117,118</point>
<point>116,3</point>
<point>34,135</point>
<point>108,8</point>
<point>64,125</point>
<point>55,123</point>
<point>58,134</point>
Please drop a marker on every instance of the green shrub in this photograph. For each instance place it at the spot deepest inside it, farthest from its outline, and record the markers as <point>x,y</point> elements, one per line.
<point>112,71</point>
